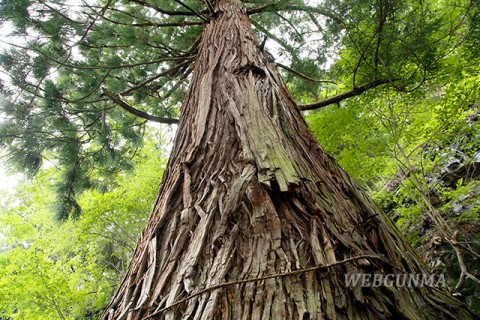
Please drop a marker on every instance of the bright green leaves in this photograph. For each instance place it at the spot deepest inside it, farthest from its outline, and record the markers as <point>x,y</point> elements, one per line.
<point>419,47</point>
<point>365,133</point>
<point>41,272</point>
<point>418,154</point>
<point>50,270</point>
<point>473,41</point>
<point>405,42</point>
<point>354,137</point>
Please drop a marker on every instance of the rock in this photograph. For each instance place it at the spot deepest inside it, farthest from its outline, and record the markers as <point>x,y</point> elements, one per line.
<point>458,208</point>
<point>452,172</point>
<point>476,157</point>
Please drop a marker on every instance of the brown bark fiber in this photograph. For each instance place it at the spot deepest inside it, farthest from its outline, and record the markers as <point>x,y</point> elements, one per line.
<point>248,193</point>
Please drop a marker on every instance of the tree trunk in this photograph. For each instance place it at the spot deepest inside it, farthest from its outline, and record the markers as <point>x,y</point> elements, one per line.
<point>247,194</point>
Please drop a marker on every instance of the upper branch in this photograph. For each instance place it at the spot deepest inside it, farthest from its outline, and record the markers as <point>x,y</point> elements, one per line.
<point>170,72</point>
<point>342,96</point>
<point>282,43</point>
<point>163,11</point>
<point>191,10</point>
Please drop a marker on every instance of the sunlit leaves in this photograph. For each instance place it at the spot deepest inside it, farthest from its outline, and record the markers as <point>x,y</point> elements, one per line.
<point>48,269</point>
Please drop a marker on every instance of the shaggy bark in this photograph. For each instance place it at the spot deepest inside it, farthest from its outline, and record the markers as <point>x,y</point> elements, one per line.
<point>248,194</point>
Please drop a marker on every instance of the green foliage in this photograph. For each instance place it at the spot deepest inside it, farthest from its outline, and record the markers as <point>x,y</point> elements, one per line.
<point>68,271</point>
<point>463,203</point>
<point>354,137</point>
<point>416,150</point>
<point>55,69</point>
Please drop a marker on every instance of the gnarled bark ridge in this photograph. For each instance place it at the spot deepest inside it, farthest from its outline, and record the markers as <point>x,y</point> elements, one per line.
<point>249,193</point>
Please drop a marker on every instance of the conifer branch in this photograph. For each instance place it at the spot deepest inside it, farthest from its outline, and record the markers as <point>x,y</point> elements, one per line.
<point>163,11</point>
<point>139,113</point>
<point>100,14</point>
<point>169,72</point>
<point>61,14</point>
<point>96,67</point>
<point>211,9</point>
<point>174,88</point>
<point>191,10</point>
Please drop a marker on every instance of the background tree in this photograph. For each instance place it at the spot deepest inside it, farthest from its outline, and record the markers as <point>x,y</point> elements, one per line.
<point>69,271</point>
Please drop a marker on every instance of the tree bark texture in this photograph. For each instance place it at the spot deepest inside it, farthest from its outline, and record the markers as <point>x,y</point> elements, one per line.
<point>248,193</point>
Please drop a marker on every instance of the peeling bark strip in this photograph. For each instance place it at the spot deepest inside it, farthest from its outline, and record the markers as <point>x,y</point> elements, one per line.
<point>249,193</point>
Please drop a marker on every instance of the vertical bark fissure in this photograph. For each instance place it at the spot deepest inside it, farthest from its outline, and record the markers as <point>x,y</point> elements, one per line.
<point>249,193</point>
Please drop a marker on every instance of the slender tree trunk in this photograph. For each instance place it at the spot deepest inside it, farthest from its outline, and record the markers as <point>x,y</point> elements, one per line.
<point>248,193</point>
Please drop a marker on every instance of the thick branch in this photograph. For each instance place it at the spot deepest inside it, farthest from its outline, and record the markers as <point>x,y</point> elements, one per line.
<point>342,96</point>
<point>170,72</point>
<point>136,112</point>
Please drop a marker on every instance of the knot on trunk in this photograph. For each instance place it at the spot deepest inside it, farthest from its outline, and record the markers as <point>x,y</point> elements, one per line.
<point>254,69</point>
